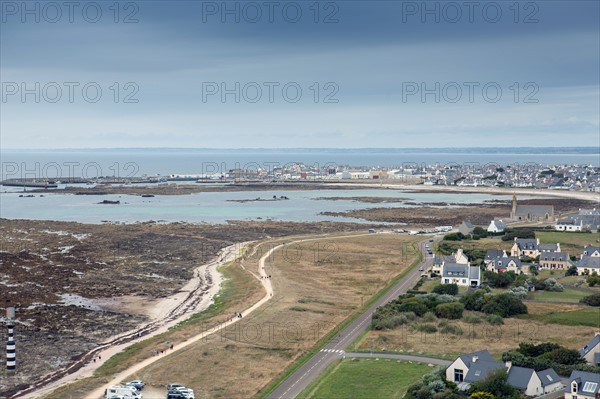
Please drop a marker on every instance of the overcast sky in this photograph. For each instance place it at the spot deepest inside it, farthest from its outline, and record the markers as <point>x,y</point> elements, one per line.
<point>361,68</point>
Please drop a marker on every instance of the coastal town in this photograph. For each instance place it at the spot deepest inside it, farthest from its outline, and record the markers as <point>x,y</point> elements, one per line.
<point>528,175</point>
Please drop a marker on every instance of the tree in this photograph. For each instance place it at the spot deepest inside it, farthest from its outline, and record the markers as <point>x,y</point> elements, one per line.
<point>482,395</point>
<point>449,289</point>
<point>571,271</point>
<point>504,305</point>
<point>499,280</point>
<point>593,279</point>
<point>473,300</point>
<point>496,384</point>
<point>566,356</point>
<point>452,310</point>
<point>480,231</point>
<point>533,270</point>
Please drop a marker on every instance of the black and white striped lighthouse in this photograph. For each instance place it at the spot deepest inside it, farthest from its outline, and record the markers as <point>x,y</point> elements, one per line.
<point>11,349</point>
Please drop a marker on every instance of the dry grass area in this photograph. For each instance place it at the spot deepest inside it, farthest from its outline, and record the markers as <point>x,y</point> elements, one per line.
<point>497,339</point>
<point>317,285</point>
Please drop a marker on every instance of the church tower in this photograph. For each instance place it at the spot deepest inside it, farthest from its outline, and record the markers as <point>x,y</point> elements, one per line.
<point>513,213</point>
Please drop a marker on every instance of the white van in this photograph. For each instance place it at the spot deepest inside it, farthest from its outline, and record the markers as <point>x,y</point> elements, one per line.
<point>122,392</point>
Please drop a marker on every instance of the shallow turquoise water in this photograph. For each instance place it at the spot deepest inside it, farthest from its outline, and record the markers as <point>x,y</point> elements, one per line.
<point>209,207</point>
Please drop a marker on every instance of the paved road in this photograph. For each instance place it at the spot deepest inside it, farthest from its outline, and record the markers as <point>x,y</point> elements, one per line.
<point>301,378</point>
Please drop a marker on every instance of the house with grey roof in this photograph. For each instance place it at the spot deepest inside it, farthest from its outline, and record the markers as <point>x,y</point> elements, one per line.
<point>568,225</point>
<point>525,247</point>
<point>461,274</point>
<point>588,265</point>
<point>533,383</point>
<point>476,366</point>
<point>492,254</point>
<point>592,251</point>
<point>555,261</point>
<point>591,351</point>
<point>583,385</point>
<point>496,226</point>
<point>549,247</point>
<point>456,257</point>
<point>472,367</point>
<point>505,264</point>
<point>466,227</point>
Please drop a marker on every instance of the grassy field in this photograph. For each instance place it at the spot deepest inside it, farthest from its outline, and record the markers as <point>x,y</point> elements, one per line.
<point>568,295</point>
<point>572,243</point>
<point>586,316</point>
<point>366,379</point>
<point>497,339</point>
<point>317,285</point>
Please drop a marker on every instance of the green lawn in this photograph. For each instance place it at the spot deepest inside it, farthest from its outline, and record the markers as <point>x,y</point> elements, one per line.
<point>569,242</point>
<point>589,316</point>
<point>568,295</point>
<point>366,378</point>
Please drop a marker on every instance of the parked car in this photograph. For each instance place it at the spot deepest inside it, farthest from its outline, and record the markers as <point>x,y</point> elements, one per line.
<point>187,393</point>
<point>139,384</point>
<point>122,392</point>
<point>173,386</point>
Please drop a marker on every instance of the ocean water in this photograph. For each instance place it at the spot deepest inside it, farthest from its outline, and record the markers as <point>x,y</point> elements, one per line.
<point>211,207</point>
<point>165,162</point>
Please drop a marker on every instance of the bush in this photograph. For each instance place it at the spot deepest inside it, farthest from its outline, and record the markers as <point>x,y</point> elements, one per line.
<point>454,237</point>
<point>474,300</point>
<point>452,311</point>
<point>592,300</point>
<point>429,317</point>
<point>496,384</point>
<point>425,327</point>
<point>553,286</point>
<point>472,318</point>
<point>448,289</point>
<point>495,320</point>
<point>451,329</point>
<point>518,292</point>
<point>593,279</point>
<point>504,305</point>
<point>571,271</point>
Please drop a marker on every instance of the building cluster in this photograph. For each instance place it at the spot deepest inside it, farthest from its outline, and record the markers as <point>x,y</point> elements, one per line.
<point>477,366</point>
<point>524,256</point>
<point>585,219</point>
<point>531,175</point>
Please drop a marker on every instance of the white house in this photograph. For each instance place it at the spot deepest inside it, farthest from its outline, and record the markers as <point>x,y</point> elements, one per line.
<point>496,226</point>
<point>456,257</point>
<point>533,383</point>
<point>583,385</point>
<point>591,351</point>
<point>588,265</point>
<point>568,225</point>
<point>473,367</point>
<point>461,274</point>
